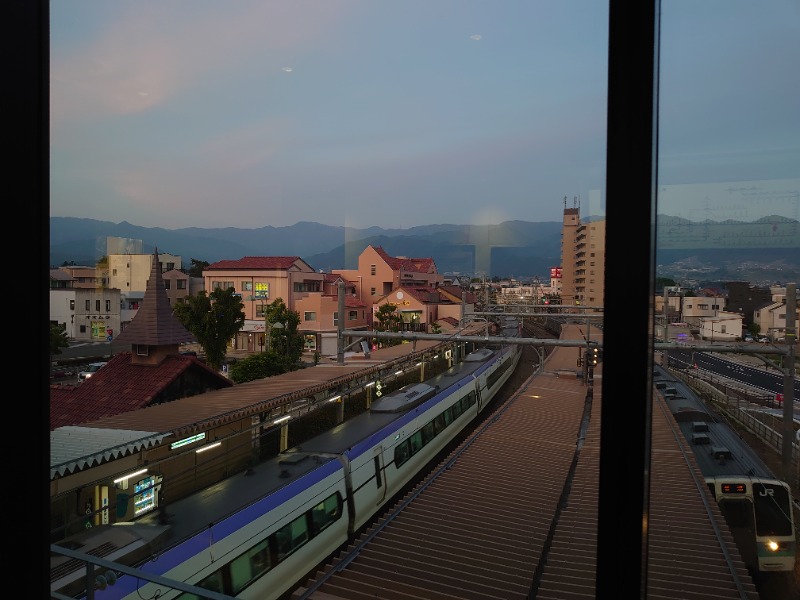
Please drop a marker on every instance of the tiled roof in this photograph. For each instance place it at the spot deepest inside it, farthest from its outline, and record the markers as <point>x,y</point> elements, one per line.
<point>121,387</point>
<point>255,262</point>
<point>155,324</point>
<point>454,292</point>
<point>416,265</point>
<point>60,275</point>
<point>422,294</point>
<point>175,274</point>
<point>350,302</point>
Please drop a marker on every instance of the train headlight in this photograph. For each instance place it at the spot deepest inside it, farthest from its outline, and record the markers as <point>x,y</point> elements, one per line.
<point>773,545</point>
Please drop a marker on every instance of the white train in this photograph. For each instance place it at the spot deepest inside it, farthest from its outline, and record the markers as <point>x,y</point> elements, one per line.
<point>756,504</point>
<point>295,510</point>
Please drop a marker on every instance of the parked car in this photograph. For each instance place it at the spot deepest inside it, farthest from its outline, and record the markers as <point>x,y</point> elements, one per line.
<point>763,339</point>
<point>90,370</point>
<point>748,338</point>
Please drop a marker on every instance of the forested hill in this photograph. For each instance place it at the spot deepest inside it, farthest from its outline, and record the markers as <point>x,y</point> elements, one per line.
<point>730,250</point>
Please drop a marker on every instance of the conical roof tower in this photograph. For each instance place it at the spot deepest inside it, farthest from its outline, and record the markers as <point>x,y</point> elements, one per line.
<point>155,325</point>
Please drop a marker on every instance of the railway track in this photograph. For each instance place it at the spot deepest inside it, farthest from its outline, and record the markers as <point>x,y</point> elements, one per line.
<point>511,513</point>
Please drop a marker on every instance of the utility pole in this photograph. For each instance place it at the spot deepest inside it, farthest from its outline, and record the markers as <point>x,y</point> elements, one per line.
<point>790,338</point>
<point>340,326</point>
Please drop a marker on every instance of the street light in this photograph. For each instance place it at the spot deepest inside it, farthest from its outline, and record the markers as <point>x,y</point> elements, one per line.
<point>274,326</point>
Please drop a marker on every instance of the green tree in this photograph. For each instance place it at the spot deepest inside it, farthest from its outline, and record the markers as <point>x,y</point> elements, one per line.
<point>196,270</point>
<point>283,339</point>
<point>662,282</point>
<point>435,327</point>
<point>212,319</point>
<point>284,346</point>
<point>58,338</point>
<point>388,319</point>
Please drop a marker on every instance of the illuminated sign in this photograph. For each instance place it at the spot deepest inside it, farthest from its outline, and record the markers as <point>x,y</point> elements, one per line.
<point>555,273</point>
<point>262,290</point>
<point>187,441</point>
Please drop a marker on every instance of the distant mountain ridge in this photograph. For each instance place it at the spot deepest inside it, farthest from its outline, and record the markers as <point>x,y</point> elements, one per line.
<point>513,248</point>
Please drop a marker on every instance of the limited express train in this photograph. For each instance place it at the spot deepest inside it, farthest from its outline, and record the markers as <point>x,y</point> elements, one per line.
<point>756,504</point>
<point>299,507</point>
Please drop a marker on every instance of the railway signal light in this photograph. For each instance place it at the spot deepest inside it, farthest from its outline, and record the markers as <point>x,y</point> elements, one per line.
<point>594,355</point>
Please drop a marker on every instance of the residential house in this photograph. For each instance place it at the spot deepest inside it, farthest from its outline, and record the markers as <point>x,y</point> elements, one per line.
<point>176,283</point>
<point>771,319</point>
<point>378,274</point>
<point>746,299</point>
<point>420,307</point>
<point>259,280</point>
<point>86,314</point>
<point>85,277</point>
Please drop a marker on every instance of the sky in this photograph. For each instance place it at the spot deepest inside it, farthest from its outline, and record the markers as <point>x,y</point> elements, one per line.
<point>360,113</point>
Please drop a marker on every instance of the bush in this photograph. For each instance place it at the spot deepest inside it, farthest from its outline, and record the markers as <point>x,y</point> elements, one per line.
<point>257,366</point>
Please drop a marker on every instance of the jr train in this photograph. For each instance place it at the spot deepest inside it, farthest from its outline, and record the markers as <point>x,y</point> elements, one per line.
<point>257,535</point>
<point>757,505</point>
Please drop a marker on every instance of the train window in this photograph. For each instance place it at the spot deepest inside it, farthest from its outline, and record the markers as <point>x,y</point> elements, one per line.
<point>299,531</point>
<point>416,442</point>
<point>214,582</point>
<point>402,452</point>
<point>738,513</point>
<point>249,566</point>
<point>772,507</point>
<point>438,424</point>
<point>469,400</point>
<point>448,416</point>
<point>427,432</point>
<point>457,409</point>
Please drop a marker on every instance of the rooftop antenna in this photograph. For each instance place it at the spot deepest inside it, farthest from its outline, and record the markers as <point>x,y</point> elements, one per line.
<point>565,202</point>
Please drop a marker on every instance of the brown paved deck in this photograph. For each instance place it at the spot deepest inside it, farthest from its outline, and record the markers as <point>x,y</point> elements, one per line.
<point>480,530</point>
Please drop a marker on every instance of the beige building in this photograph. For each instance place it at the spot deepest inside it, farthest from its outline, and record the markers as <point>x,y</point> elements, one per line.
<point>89,315</point>
<point>582,260</point>
<point>129,272</point>
<point>771,319</point>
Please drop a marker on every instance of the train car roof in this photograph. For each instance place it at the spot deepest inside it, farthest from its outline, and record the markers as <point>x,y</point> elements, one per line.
<point>193,513</point>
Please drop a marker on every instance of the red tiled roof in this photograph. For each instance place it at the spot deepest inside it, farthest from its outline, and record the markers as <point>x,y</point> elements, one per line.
<point>121,386</point>
<point>417,265</point>
<point>454,293</point>
<point>255,262</point>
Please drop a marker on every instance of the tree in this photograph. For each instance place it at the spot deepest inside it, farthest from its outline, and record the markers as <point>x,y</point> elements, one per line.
<point>662,282</point>
<point>284,346</point>
<point>196,270</point>
<point>388,320</point>
<point>435,327</point>
<point>213,320</point>
<point>58,338</point>
<point>281,325</point>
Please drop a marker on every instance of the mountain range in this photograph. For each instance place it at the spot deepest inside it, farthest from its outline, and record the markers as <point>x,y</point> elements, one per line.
<point>766,250</point>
